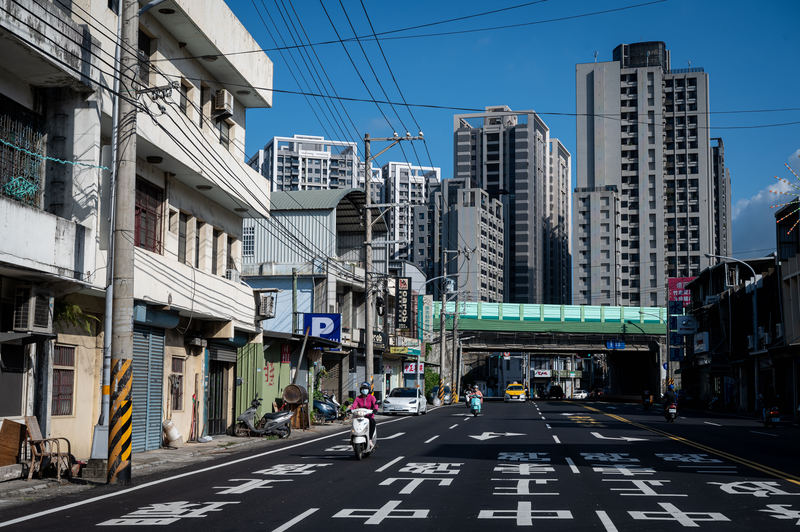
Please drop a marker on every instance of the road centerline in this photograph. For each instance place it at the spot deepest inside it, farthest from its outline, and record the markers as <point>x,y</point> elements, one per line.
<point>431,439</point>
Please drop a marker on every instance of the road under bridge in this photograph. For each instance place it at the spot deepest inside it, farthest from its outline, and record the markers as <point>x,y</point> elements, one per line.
<point>620,349</point>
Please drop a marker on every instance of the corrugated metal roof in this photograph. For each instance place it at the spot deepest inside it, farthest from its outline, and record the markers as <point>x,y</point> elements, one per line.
<point>303,200</point>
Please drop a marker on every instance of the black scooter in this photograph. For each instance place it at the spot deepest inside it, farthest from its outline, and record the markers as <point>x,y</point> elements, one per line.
<point>270,424</point>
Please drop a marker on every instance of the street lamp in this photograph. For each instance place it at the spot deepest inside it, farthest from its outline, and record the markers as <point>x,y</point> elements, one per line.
<point>755,318</point>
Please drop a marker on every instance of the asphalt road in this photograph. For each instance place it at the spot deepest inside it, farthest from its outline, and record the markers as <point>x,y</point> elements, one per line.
<point>552,465</point>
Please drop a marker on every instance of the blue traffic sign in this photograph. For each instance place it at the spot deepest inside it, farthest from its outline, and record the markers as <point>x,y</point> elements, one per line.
<point>615,344</point>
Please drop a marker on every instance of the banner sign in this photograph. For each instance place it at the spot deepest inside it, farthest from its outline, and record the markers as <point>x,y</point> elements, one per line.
<point>677,290</point>
<point>615,344</point>
<point>411,367</point>
<point>541,373</point>
<point>402,316</point>
<point>378,340</point>
<point>327,326</point>
<point>398,350</point>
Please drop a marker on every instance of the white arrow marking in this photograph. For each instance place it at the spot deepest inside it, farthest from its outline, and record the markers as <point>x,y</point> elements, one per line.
<point>569,414</point>
<point>393,436</point>
<point>625,438</point>
<point>490,435</point>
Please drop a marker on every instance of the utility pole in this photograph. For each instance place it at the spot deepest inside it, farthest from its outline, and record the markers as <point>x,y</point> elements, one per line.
<point>369,302</point>
<point>119,435</point>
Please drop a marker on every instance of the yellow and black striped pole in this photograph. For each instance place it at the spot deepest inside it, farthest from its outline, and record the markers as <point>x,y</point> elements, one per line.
<point>120,428</point>
<point>441,390</point>
<point>371,385</point>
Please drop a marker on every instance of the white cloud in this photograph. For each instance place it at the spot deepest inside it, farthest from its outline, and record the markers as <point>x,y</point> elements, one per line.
<point>754,221</point>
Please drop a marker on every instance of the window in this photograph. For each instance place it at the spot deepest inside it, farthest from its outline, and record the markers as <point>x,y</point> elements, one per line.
<point>183,218</point>
<point>176,383</point>
<point>203,99</point>
<point>248,241</point>
<point>145,51</point>
<point>198,225</point>
<point>148,213</point>
<point>224,129</point>
<point>184,98</point>
<point>215,250</point>
<point>63,380</point>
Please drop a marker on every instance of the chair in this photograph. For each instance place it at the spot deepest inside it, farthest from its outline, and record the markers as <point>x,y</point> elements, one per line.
<point>50,448</point>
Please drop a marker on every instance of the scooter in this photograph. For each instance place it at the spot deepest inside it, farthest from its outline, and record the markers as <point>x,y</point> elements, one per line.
<point>772,416</point>
<point>671,412</point>
<point>270,424</point>
<point>475,405</point>
<point>327,408</point>
<point>363,443</point>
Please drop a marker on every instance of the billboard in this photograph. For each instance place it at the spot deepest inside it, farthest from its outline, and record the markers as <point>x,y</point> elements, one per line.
<point>402,316</point>
<point>677,290</point>
<point>326,326</point>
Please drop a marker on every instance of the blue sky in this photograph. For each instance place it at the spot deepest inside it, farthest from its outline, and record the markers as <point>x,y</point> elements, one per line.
<point>749,50</point>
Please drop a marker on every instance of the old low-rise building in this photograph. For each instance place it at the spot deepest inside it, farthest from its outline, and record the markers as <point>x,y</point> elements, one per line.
<point>191,311</point>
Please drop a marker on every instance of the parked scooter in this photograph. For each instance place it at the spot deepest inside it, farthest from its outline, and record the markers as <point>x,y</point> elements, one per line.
<point>328,408</point>
<point>772,416</point>
<point>363,442</point>
<point>270,424</point>
<point>671,412</point>
<point>475,404</point>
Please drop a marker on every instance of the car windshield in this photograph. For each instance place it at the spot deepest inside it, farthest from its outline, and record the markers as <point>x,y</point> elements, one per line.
<point>403,392</point>
<point>515,388</point>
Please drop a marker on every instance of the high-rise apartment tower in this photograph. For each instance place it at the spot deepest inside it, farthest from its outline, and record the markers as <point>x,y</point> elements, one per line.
<point>645,206</point>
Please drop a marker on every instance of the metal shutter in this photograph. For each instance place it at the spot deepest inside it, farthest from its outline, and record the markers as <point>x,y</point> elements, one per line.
<point>224,353</point>
<point>148,374</point>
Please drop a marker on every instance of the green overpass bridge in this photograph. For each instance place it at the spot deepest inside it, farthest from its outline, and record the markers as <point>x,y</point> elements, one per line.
<point>630,341</point>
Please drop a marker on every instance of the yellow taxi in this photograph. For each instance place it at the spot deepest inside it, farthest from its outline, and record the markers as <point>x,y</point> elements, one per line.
<point>514,392</point>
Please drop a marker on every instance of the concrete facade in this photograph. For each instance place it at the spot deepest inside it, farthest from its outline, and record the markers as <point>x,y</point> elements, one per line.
<point>657,161</point>
<point>193,188</point>
<point>506,153</point>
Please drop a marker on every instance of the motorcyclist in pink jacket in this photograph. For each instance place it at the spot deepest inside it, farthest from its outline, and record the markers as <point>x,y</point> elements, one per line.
<point>365,400</point>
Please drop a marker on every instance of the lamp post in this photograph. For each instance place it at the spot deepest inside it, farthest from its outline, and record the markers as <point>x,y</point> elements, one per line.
<point>755,318</point>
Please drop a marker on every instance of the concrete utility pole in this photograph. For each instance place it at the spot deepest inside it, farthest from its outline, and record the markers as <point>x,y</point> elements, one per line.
<point>119,435</point>
<point>369,303</point>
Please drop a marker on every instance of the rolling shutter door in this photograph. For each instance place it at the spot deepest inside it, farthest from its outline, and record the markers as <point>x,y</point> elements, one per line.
<point>147,390</point>
<point>224,353</point>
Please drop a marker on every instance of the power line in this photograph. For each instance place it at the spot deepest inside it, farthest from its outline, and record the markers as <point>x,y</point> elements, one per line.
<point>399,30</point>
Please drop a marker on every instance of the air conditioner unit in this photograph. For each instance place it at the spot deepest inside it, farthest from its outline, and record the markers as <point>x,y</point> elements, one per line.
<point>266,306</point>
<point>223,103</point>
<point>232,275</point>
<point>767,338</point>
<point>197,341</point>
<point>33,310</point>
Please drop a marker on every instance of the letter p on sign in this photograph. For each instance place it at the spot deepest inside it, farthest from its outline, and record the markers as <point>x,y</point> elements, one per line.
<point>321,325</point>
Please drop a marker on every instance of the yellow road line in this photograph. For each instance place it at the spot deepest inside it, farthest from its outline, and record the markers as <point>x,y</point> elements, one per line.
<point>788,477</point>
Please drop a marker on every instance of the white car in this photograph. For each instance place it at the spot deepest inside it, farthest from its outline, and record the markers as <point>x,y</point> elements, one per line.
<point>580,394</point>
<point>405,401</point>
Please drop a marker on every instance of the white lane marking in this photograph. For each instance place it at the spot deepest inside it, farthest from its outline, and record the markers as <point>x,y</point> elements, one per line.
<point>390,464</point>
<point>556,438</point>
<point>393,436</point>
<point>454,426</point>
<point>431,439</point>
<point>572,466</point>
<point>544,417</point>
<point>621,438</point>
<point>606,520</point>
<point>289,524</point>
<point>710,423</point>
<point>175,477</point>
<point>548,425</point>
<point>764,433</point>
<point>709,466</point>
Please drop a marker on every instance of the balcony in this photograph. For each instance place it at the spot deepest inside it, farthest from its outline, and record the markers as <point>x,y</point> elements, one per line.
<point>58,249</point>
<point>159,280</point>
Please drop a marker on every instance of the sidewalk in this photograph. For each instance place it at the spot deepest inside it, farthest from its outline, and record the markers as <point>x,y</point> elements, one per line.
<point>19,492</point>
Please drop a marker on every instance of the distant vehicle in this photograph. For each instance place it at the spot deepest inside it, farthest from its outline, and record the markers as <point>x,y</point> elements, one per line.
<point>405,401</point>
<point>514,392</point>
<point>448,395</point>
<point>580,394</point>
<point>555,392</point>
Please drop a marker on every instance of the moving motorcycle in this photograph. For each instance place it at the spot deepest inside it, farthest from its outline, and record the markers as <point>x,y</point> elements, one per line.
<point>363,442</point>
<point>671,412</point>
<point>772,416</point>
<point>270,424</point>
<point>474,404</point>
